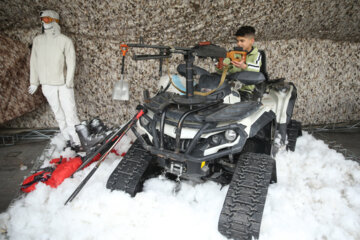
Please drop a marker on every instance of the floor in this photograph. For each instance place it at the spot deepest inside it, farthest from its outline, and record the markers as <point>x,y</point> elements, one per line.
<point>21,156</point>
<point>16,162</point>
<point>345,141</point>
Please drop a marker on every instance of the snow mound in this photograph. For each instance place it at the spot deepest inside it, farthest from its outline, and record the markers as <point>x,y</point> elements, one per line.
<point>317,197</point>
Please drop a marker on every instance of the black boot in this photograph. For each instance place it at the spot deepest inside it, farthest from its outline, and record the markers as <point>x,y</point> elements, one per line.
<point>76,148</point>
<point>68,144</point>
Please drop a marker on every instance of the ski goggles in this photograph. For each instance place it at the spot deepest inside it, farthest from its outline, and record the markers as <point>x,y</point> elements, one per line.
<point>49,19</point>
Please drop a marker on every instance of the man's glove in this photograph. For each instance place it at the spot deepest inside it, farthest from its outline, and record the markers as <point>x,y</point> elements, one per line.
<point>227,61</point>
<point>32,89</point>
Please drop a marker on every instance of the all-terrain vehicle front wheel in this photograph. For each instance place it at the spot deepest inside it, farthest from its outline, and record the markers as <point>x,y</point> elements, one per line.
<point>136,167</point>
<point>242,211</point>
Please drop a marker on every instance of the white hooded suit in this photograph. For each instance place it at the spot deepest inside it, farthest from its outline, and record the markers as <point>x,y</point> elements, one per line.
<point>50,51</point>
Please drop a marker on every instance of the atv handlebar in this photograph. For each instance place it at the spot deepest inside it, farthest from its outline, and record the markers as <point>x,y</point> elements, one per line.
<point>202,50</point>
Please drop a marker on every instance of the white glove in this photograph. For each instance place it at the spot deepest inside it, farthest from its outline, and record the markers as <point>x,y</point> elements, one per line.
<point>32,89</point>
<point>68,86</point>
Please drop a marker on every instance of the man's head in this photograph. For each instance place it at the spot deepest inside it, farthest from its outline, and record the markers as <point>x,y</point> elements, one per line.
<point>48,18</point>
<point>245,37</point>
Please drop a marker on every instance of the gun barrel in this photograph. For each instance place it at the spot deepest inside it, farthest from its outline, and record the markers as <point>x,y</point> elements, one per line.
<point>147,57</point>
<point>140,45</point>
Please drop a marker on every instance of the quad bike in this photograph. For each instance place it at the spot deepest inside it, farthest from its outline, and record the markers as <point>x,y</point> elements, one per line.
<point>213,135</point>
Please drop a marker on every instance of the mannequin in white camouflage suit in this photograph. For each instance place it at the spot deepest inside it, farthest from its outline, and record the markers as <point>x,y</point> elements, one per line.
<point>51,50</point>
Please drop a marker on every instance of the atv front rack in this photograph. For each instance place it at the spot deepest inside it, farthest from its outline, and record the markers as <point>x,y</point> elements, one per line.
<point>158,147</point>
<point>183,157</point>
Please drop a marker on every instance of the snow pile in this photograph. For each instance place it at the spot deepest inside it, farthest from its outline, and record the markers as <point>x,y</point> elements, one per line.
<point>317,197</point>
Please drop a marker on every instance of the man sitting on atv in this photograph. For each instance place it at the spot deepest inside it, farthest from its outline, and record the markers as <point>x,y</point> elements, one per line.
<point>245,37</point>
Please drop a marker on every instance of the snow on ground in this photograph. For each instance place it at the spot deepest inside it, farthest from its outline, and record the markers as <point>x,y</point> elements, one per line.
<point>317,197</point>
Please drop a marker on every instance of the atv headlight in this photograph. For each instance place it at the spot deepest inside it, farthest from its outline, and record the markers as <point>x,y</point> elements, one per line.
<point>215,139</point>
<point>230,135</point>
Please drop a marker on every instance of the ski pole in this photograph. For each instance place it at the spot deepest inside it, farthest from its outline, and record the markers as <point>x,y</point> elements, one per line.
<point>82,184</point>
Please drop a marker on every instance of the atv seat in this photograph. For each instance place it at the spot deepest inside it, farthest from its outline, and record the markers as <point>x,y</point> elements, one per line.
<point>196,70</point>
<point>207,82</point>
<point>248,78</point>
<point>251,78</point>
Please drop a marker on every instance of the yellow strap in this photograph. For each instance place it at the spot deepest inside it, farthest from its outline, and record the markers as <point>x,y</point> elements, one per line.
<point>223,76</point>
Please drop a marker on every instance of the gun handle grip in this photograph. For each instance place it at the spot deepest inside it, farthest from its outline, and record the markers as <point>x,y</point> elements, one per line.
<point>231,55</point>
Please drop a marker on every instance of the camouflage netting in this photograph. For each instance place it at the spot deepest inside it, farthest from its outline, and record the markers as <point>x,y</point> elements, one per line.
<point>14,75</point>
<point>313,44</point>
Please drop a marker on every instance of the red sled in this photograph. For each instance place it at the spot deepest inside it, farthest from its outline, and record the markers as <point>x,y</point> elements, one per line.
<point>52,176</point>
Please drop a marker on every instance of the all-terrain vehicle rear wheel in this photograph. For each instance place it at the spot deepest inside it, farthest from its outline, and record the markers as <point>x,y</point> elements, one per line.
<point>293,132</point>
<point>242,211</point>
<point>136,167</point>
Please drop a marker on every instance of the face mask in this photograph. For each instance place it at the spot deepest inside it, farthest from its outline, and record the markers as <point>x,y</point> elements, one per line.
<point>47,26</point>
